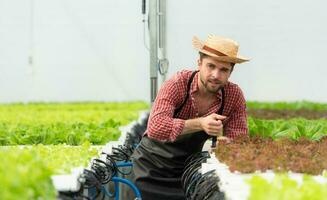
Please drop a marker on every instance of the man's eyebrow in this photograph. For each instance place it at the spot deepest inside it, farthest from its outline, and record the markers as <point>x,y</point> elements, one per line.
<point>222,68</point>
<point>209,63</point>
<point>225,68</point>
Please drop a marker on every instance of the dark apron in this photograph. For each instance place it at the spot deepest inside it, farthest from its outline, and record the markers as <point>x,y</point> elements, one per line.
<point>158,166</point>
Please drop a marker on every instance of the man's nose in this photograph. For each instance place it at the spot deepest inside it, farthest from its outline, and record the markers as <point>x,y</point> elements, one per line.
<point>216,74</point>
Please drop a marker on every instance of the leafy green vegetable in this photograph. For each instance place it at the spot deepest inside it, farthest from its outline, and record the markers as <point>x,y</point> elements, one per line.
<point>61,113</point>
<point>25,171</point>
<point>293,128</point>
<point>284,188</point>
<point>72,124</point>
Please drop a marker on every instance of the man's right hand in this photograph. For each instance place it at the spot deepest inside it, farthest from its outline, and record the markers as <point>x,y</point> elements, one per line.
<point>212,124</point>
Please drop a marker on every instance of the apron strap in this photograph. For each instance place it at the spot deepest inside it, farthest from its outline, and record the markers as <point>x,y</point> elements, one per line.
<point>221,109</point>
<point>187,93</point>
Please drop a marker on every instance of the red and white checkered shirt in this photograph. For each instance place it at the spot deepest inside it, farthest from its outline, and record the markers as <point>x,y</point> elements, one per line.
<point>163,126</point>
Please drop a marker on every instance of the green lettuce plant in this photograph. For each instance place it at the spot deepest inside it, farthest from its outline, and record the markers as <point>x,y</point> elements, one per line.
<point>293,128</point>
<point>284,188</point>
<point>25,171</point>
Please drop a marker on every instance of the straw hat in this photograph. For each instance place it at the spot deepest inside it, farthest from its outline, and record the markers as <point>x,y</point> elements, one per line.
<point>221,48</point>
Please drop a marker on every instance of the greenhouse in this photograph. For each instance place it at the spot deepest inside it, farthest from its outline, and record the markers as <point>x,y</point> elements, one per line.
<point>163,100</point>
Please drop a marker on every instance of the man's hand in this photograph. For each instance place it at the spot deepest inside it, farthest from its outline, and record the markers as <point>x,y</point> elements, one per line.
<point>212,124</point>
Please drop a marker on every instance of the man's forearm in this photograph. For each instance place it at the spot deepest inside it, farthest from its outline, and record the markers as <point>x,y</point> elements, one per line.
<point>192,125</point>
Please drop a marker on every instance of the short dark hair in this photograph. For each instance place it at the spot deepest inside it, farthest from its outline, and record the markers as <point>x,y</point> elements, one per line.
<point>203,55</point>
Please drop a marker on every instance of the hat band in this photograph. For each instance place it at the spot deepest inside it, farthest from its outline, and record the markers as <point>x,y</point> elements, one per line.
<point>214,51</point>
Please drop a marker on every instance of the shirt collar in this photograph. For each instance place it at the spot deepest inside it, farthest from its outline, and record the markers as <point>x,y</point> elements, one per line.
<point>195,87</point>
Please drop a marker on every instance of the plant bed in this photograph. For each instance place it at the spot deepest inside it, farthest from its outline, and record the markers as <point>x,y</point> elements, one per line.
<point>250,154</point>
<point>297,105</point>
<point>287,114</point>
<point>260,168</point>
<point>287,110</point>
<point>284,157</point>
<point>73,124</point>
<point>25,171</point>
<point>267,185</point>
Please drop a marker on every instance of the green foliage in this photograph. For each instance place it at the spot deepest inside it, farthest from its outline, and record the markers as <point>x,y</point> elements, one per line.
<point>58,133</point>
<point>72,124</point>
<point>79,112</point>
<point>25,171</point>
<point>284,188</point>
<point>293,128</point>
<point>297,105</point>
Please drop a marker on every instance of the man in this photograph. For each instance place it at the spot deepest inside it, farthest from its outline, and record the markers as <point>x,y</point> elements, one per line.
<point>189,108</point>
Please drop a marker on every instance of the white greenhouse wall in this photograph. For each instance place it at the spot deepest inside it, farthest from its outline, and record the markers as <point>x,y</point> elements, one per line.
<point>82,51</point>
<point>93,50</point>
<point>287,41</point>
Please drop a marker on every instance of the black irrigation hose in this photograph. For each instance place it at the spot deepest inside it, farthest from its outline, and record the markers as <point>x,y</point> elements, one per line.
<point>92,180</point>
<point>122,153</point>
<point>193,165</point>
<point>196,158</point>
<point>208,188</point>
<point>101,172</point>
<point>199,186</point>
<point>206,185</point>
<point>191,187</point>
<point>191,174</point>
<point>110,161</point>
<point>198,155</point>
<point>104,170</point>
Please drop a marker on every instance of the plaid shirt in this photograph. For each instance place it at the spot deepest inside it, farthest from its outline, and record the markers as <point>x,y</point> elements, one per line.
<point>162,126</point>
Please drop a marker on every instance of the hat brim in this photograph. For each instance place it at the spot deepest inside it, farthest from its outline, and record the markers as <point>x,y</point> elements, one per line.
<point>198,45</point>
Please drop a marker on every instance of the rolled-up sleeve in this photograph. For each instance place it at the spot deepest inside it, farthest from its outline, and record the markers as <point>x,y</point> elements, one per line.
<point>237,123</point>
<point>161,125</point>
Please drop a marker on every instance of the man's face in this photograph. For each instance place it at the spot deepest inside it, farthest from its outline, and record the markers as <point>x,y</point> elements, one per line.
<point>213,74</point>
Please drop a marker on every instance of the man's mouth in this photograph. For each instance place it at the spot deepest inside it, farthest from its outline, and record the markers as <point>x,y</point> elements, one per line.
<point>215,82</point>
